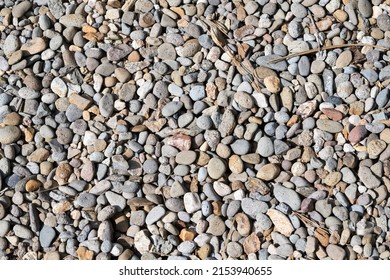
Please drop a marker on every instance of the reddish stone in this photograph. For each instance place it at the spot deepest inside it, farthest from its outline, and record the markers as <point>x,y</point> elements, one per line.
<point>357,134</point>
<point>307,205</point>
<point>332,114</point>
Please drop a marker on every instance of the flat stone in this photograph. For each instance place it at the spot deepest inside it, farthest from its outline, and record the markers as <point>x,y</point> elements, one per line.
<point>186,157</point>
<point>9,134</point>
<point>282,222</point>
<point>288,196</point>
<point>155,214</point>
<point>23,232</point>
<point>216,168</point>
<point>72,20</point>
<point>216,226</point>
<point>368,178</point>
<point>335,252</point>
<point>268,172</point>
<point>34,46</point>
<point>192,202</point>
<point>46,236</point>
<point>329,126</point>
<point>21,9</point>
<point>171,108</point>
<point>357,134</point>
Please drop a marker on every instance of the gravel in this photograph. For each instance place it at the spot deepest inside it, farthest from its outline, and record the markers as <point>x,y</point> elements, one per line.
<point>129,133</point>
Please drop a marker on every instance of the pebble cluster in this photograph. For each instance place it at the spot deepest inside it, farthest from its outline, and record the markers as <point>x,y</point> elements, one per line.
<point>127,133</point>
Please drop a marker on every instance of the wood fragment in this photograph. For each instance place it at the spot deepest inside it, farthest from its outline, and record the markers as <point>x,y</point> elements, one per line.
<point>219,34</point>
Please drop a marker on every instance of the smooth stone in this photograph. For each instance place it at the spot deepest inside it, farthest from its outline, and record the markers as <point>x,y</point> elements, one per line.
<point>288,196</point>
<point>46,236</point>
<point>216,168</point>
<point>155,214</point>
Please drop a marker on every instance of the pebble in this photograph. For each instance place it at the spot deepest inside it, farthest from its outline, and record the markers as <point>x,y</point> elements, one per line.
<point>155,215</point>
<point>46,236</point>
<point>216,168</point>
<point>288,196</point>
<point>9,134</point>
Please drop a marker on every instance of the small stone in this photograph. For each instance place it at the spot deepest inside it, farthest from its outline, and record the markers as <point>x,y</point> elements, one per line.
<point>155,214</point>
<point>335,252</point>
<point>240,147</point>
<point>272,83</point>
<point>281,222</point>
<point>186,157</point>
<point>73,20</point>
<point>192,202</point>
<point>376,147</point>
<point>9,134</point>
<point>216,168</point>
<point>216,226</point>
<point>357,134</point>
<point>365,8</point>
<point>268,172</point>
<point>329,126</point>
<point>46,236</point>
<point>265,147</point>
<point>288,196</point>
<point>344,59</point>
<point>21,9</point>
<point>22,232</point>
<point>28,93</point>
<point>34,46</point>
<point>33,185</point>
<point>171,108</point>
<point>383,22</point>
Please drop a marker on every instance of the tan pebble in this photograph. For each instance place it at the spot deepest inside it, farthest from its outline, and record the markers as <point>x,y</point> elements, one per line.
<point>376,147</point>
<point>252,244</point>
<point>235,164</point>
<point>186,234</point>
<point>385,135</point>
<point>45,167</point>
<point>15,57</point>
<point>204,251</point>
<point>12,118</point>
<point>340,15</point>
<point>332,178</point>
<point>243,224</point>
<point>62,207</point>
<point>281,222</point>
<point>217,207</point>
<point>344,59</point>
<point>257,185</point>
<point>39,155</point>
<point>268,172</point>
<point>84,254</point>
<point>33,185</point>
<point>272,83</point>
<point>81,102</point>
<point>63,172</point>
<point>203,159</point>
<point>34,46</point>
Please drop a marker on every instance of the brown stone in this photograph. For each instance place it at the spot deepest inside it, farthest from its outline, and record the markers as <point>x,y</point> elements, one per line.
<point>33,185</point>
<point>357,134</point>
<point>34,46</point>
<point>84,254</point>
<point>187,234</point>
<point>243,224</point>
<point>12,118</point>
<point>63,172</point>
<point>39,155</point>
<point>251,244</point>
<point>332,114</point>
